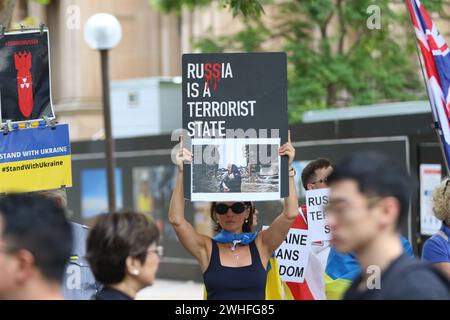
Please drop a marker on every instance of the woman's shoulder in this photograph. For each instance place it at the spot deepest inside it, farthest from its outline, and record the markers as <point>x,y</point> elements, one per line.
<point>107,293</point>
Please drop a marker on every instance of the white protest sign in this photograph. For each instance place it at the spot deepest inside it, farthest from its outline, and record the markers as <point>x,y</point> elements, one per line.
<point>316,200</point>
<point>430,178</point>
<point>292,255</point>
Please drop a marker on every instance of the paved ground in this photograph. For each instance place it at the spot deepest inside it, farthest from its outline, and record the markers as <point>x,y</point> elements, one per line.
<point>164,289</point>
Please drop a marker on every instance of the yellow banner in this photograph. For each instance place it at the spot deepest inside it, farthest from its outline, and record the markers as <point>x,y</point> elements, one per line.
<point>36,174</point>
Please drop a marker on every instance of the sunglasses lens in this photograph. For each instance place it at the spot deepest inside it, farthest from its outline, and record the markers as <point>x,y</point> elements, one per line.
<point>238,207</point>
<point>221,208</point>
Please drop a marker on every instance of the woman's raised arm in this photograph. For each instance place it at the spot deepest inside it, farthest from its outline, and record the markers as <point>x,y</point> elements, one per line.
<point>195,243</point>
<point>273,236</point>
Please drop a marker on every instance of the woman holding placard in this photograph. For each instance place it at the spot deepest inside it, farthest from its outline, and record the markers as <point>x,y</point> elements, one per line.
<point>234,262</point>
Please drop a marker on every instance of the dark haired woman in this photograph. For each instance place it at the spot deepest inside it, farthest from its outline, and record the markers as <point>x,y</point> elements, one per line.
<point>123,254</point>
<point>234,262</point>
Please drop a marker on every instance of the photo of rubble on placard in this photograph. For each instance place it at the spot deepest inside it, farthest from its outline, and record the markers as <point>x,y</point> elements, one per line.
<point>235,168</point>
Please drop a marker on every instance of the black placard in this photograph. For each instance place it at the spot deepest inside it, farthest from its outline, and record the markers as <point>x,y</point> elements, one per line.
<point>25,76</point>
<point>246,91</point>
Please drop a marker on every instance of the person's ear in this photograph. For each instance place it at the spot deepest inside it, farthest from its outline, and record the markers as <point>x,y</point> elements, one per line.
<point>133,266</point>
<point>248,211</point>
<point>309,186</point>
<point>390,211</point>
<point>25,265</point>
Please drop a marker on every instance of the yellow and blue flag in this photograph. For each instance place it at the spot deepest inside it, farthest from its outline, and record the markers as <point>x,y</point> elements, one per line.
<point>35,159</point>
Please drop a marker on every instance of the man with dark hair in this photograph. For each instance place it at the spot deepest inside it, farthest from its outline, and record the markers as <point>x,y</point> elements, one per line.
<point>35,245</point>
<point>340,268</point>
<point>315,174</point>
<point>369,200</point>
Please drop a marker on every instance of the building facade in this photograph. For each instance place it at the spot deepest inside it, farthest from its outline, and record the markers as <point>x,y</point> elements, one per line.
<point>151,46</point>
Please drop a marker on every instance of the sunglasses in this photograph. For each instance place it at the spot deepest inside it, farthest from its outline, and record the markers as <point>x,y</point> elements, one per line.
<point>324,180</point>
<point>237,208</point>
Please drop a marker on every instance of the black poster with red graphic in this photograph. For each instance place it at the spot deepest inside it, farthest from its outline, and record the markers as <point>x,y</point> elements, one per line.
<point>25,76</point>
<point>234,120</point>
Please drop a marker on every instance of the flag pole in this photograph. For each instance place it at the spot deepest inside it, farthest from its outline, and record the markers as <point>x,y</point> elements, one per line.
<point>435,125</point>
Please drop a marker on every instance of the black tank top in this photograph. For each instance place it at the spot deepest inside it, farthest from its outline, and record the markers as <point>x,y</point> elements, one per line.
<point>230,283</point>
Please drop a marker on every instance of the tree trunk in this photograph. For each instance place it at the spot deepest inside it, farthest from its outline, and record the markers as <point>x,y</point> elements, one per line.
<point>6,10</point>
<point>331,95</point>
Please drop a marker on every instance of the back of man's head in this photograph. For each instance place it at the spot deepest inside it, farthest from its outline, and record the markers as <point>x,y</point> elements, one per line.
<point>376,174</point>
<point>58,195</point>
<point>38,225</point>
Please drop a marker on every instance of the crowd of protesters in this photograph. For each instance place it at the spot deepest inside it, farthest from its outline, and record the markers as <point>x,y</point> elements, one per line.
<point>44,256</point>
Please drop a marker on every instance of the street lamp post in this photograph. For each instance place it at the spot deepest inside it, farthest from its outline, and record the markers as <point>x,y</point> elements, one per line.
<point>103,32</point>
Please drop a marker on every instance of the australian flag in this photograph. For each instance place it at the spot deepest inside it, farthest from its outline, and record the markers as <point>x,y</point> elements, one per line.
<point>436,60</point>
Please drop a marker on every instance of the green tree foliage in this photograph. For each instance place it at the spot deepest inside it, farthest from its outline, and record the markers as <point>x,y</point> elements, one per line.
<point>335,59</point>
<point>245,7</point>
<point>7,8</point>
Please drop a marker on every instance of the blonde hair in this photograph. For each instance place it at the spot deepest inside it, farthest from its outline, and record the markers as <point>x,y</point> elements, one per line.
<point>441,202</point>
